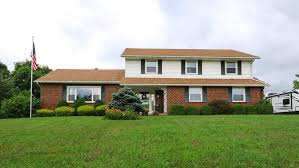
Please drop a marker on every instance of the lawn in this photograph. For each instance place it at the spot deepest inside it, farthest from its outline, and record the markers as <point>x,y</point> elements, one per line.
<point>157,141</point>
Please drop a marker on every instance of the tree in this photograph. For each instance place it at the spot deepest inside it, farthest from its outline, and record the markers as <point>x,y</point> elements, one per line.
<point>296,82</point>
<point>125,99</point>
<point>6,84</point>
<point>21,76</point>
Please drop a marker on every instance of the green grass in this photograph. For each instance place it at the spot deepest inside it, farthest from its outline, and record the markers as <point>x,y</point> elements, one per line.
<point>157,141</point>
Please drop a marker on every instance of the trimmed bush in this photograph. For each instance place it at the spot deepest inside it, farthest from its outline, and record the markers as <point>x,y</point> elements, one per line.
<point>206,110</point>
<point>238,109</point>
<point>250,109</point>
<point>18,105</point>
<point>264,107</point>
<point>116,114</point>
<point>192,110</point>
<point>61,103</point>
<point>86,110</point>
<point>79,102</point>
<point>220,107</point>
<point>177,110</point>
<point>45,113</point>
<point>125,99</point>
<point>64,111</point>
<point>100,110</point>
<point>98,102</point>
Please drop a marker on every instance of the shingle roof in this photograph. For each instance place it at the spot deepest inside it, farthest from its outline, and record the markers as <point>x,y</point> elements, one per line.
<point>188,81</point>
<point>83,75</point>
<point>133,52</point>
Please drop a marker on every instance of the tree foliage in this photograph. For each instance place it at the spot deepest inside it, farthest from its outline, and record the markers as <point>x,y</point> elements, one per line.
<point>6,84</point>
<point>21,76</point>
<point>296,82</point>
<point>126,99</point>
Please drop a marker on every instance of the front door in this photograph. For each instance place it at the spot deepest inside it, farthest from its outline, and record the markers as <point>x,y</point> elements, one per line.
<point>159,101</point>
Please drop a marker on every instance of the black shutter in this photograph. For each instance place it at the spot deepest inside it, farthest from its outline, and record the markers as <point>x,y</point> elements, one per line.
<point>199,67</point>
<point>222,67</point>
<point>103,93</point>
<point>159,66</point>
<point>182,67</point>
<point>247,93</point>
<point>230,93</point>
<point>239,68</point>
<point>186,94</point>
<point>142,66</point>
<point>64,93</point>
<point>204,94</point>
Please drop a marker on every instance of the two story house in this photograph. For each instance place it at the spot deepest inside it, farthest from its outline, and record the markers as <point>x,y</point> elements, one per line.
<point>161,78</point>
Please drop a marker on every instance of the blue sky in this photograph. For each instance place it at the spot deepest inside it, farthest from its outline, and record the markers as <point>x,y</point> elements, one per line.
<point>89,34</point>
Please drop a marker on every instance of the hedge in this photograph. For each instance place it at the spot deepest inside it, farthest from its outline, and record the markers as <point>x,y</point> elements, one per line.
<point>64,111</point>
<point>100,110</point>
<point>45,113</point>
<point>116,114</point>
<point>86,110</point>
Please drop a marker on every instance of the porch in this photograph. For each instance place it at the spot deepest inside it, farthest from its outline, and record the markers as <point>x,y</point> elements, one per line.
<point>153,98</point>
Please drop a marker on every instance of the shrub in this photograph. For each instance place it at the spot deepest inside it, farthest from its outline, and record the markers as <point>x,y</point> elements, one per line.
<point>126,99</point>
<point>206,110</point>
<point>61,103</point>
<point>64,111</point>
<point>98,102</point>
<point>192,110</point>
<point>238,109</point>
<point>85,110</point>
<point>177,110</point>
<point>45,113</point>
<point>220,107</point>
<point>264,107</point>
<point>79,102</point>
<point>250,109</point>
<point>116,114</point>
<point>18,105</point>
<point>100,110</point>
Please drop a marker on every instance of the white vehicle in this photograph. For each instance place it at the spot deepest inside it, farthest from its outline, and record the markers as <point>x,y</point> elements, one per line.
<point>287,102</point>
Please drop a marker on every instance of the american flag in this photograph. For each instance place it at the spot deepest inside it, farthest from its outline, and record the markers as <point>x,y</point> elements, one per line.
<point>33,59</point>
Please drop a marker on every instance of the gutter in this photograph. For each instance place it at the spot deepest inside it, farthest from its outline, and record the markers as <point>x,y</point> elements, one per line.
<point>80,82</point>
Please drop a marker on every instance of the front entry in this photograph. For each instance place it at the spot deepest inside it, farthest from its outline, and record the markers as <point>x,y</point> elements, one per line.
<point>159,101</point>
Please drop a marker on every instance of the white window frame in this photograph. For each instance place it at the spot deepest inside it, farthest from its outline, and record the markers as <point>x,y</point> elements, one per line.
<point>196,67</point>
<point>244,94</point>
<point>189,93</point>
<point>236,69</point>
<point>75,87</point>
<point>156,62</point>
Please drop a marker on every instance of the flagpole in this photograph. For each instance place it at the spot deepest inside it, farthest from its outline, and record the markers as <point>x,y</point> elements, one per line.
<point>31,83</point>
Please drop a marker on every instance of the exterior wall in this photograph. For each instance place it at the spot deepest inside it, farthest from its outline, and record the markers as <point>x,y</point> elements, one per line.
<point>172,69</point>
<point>176,96</point>
<point>50,94</point>
<point>109,90</point>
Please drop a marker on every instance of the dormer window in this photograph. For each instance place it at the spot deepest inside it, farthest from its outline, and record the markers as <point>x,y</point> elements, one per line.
<point>151,66</point>
<point>191,67</point>
<point>231,67</point>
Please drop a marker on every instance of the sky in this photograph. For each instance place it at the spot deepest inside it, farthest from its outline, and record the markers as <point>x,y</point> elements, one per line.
<point>93,33</point>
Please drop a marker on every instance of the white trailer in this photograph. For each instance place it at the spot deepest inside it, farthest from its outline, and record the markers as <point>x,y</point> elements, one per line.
<point>287,102</point>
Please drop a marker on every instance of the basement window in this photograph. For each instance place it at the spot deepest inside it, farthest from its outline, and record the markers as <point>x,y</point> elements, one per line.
<point>89,93</point>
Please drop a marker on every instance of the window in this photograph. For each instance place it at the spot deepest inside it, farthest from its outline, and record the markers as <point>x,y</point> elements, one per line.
<point>231,67</point>
<point>286,102</point>
<point>238,94</point>
<point>88,93</point>
<point>191,67</point>
<point>151,66</point>
<point>195,94</point>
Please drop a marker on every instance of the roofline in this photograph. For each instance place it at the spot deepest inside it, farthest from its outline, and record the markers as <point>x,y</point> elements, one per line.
<point>80,82</point>
<point>279,94</point>
<point>244,85</point>
<point>182,56</point>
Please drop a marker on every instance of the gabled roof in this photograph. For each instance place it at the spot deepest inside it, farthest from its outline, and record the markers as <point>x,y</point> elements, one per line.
<point>83,76</point>
<point>202,53</point>
<point>191,81</point>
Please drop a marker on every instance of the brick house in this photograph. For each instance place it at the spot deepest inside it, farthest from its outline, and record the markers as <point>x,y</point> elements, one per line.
<point>161,78</point>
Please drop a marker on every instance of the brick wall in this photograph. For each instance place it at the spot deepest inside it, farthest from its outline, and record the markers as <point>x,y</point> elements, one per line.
<point>50,94</point>
<point>109,90</point>
<point>176,95</point>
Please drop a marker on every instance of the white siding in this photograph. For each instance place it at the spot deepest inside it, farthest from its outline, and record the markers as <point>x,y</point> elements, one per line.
<point>172,69</point>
